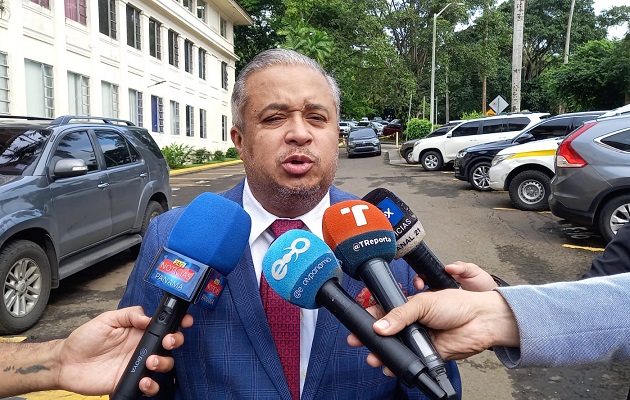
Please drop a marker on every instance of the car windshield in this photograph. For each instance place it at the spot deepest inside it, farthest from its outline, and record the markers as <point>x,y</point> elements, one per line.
<point>19,148</point>
<point>362,134</point>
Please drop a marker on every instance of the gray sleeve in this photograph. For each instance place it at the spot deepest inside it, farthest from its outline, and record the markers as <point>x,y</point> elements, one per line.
<point>568,323</point>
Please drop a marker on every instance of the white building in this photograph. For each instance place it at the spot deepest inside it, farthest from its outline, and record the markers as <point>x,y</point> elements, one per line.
<point>167,65</point>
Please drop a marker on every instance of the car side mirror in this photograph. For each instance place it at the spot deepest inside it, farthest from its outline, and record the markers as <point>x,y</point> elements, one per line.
<point>449,135</point>
<point>69,167</point>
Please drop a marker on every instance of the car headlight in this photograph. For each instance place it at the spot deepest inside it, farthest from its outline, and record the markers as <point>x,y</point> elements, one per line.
<point>417,143</point>
<point>500,158</point>
<point>460,154</point>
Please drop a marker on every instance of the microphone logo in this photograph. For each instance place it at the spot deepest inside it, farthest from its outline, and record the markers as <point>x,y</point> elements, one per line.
<point>279,268</point>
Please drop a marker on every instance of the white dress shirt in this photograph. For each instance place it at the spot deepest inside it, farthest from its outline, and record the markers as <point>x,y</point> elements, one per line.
<point>260,239</point>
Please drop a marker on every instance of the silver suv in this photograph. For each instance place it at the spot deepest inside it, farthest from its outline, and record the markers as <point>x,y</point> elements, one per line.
<point>73,191</point>
<point>592,181</point>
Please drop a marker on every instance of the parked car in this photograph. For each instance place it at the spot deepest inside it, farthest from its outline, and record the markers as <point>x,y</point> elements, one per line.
<point>363,141</point>
<point>74,191</point>
<point>473,163</point>
<point>344,127</point>
<point>525,171</point>
<point>433,153</point>
<point>378,126</point>
<point>592,182</point>
<point>406,149</point>
<point>393,127</point>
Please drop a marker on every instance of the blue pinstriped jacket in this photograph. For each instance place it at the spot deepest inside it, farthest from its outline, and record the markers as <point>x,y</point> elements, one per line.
<point>229,353</point>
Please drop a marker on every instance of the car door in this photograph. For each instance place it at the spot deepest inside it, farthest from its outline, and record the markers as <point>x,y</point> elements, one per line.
<point>127,173</point>
<point>461,137</point>
<point>81,206</point>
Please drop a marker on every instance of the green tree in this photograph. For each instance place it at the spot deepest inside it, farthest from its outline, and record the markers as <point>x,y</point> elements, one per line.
<point>307,40</point>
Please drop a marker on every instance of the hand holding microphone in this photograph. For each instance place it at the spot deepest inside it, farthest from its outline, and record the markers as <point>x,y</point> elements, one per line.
<point>205,244</point>
<point>310,280</point>
<point>409,234</point>
<point>364,242</point>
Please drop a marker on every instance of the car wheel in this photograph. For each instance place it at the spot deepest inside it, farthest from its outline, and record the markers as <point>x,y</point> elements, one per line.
<point>431,161</point>
<point>479,177</point>
<point>613,216</point>
<point>25,278</point>
<point>153,210</point>
<point>409,156</point>
<point>529,191</point>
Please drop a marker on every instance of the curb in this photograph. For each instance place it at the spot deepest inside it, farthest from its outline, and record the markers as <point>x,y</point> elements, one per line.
<point>189,170</point>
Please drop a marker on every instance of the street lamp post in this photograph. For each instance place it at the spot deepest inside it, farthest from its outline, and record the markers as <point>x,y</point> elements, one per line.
<point>432,107</point>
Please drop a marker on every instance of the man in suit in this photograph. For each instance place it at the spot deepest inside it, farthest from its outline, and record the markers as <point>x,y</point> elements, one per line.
<point>285,111</point>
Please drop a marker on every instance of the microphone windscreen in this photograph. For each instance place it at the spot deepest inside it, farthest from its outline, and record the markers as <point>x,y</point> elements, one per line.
<point>357,231</point>
<point>212,230</point>
<point>408,229</point>
<point>297,265</point>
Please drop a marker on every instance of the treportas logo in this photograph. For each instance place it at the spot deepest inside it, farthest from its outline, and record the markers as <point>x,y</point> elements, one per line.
<point>177,269</point>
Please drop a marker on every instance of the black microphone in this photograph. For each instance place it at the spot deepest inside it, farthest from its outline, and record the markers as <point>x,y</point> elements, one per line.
<point>302,269</point>
<point>363,241</point>
<point>205,244</point>
<point>409,245</point>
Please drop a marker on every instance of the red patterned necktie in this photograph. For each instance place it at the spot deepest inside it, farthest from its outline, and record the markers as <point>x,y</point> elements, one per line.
<point>284,319</point>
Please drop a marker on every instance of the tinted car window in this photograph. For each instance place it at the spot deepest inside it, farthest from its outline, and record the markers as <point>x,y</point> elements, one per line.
<point>77,145</point>
<point>362,134</point>
<point>517,124</point>
<point>115,149</point>
<point>146,139</point>
<point>550,129</point>
<point>620,141</point>
<point>439,131</point>
<point>19,148</point>
<point>493,126</point>
<point>466,129</point>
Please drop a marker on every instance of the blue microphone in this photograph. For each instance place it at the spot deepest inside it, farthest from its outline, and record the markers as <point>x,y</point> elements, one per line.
<point>303,270</point>
<point>204,245</point>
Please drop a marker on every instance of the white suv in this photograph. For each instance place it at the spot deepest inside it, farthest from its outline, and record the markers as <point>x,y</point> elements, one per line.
<point>433,153</point>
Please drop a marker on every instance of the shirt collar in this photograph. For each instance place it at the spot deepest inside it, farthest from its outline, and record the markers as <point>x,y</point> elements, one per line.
<point>261,218</point>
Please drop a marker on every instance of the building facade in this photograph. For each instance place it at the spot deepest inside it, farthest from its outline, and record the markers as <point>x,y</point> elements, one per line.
<point>167,65</point>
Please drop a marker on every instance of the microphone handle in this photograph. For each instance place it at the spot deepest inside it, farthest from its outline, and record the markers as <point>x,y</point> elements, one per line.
<point>395,355</point>
<point>430,268</point>
<point>166,319</point>
<point>377,276</point>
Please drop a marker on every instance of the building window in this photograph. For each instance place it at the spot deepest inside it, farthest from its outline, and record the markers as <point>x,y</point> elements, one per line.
<point>78,94</point>
<point>43,3</point>
<point>190,121</point>
<point>135,107</point>
<point>174,118</point>
<point>4,83</point>
<point>76,10</point>
<point>157,114</point>
<point>188,56</point>
<point>40,89</point>
<point>202,124</point>
<point>133,27</point>
<point>202,64</point>
<point>107,17</point>
<point>109,94</point>
<point>223,27</point>
<point>173,48</point>
<point>224,128</point>
<point>188,4</point>
<point>224,75</point>
<point>201,10</point>
<point>155,41</point>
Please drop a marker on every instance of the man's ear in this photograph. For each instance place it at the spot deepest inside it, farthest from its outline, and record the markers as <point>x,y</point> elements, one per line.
<point>237,139</point>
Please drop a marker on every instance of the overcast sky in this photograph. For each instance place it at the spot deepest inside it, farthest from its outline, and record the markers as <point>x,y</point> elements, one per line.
<point>599,5</point>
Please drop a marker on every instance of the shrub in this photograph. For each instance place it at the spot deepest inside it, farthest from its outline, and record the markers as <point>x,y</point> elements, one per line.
<point>417,128</point>
<point>232,153</point>
<point>218,156</point>
<point>472,115</point>
<point>176,154</point>
<point>201,156</point>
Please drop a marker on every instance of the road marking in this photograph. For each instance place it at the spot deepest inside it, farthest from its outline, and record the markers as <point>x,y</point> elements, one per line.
<point>572,246</point>
<point>56,394</point>
<point>12,339</point>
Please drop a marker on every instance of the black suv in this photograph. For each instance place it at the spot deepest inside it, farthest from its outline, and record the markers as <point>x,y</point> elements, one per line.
<point>73,191</point>
<point>472,163</point>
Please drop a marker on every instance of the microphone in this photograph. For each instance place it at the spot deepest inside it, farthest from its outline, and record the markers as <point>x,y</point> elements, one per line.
<point>409,245</point>
<point>302,269</point>
<point>204,245</point>
<point>363,241</point>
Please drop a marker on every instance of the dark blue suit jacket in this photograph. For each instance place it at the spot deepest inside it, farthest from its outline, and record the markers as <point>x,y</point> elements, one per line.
<point>229,353</point>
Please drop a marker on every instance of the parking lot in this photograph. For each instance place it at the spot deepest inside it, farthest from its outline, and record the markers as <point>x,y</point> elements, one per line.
<point>461,224</point>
